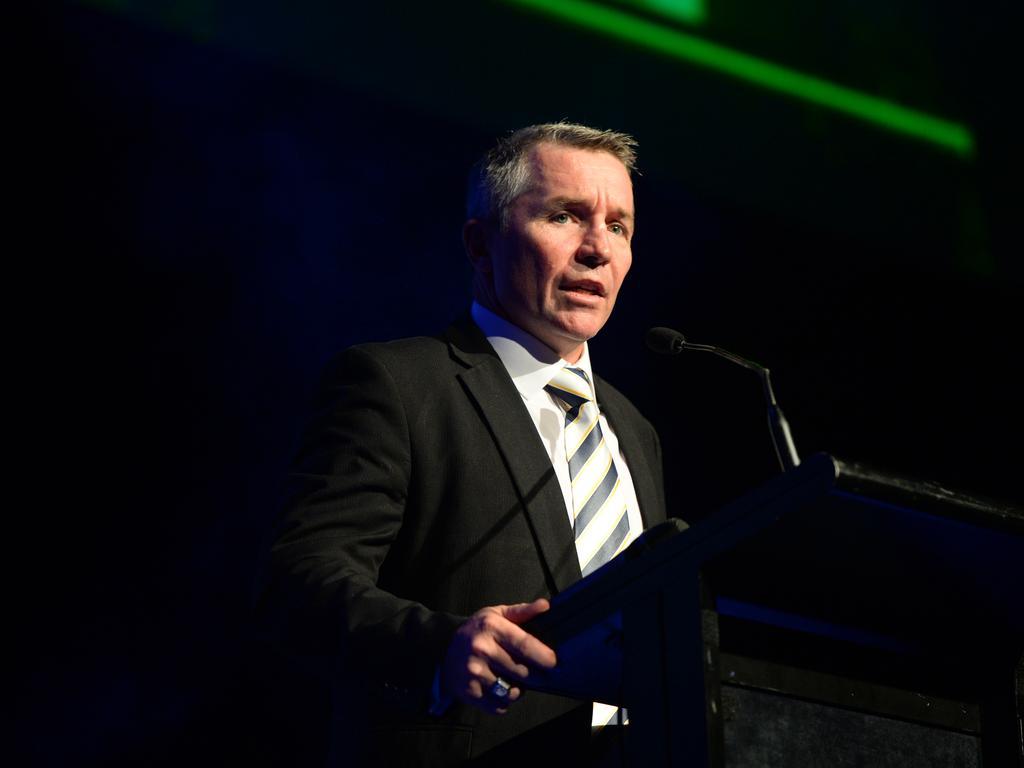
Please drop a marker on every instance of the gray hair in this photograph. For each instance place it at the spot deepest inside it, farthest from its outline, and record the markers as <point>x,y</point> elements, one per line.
<point>503,174</point>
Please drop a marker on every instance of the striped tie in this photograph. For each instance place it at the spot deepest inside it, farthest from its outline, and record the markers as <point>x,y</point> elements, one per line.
<point>601,524</point>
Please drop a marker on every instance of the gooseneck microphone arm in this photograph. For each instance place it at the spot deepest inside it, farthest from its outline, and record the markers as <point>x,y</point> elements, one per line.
<point>666,341</point>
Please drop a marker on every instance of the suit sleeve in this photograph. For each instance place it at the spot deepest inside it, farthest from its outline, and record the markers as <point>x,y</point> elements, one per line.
<point>347,499</point>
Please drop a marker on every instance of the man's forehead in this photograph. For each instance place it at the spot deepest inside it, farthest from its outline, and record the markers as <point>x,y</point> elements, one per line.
<point>566,173</point>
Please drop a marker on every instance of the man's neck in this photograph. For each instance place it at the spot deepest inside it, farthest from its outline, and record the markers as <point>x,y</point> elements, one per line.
<point>571,356</point>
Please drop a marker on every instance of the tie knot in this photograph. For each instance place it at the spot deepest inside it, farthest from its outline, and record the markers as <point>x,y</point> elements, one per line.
<point>571,386</point>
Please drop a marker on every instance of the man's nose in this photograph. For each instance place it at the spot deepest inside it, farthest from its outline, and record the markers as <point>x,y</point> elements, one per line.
<point>595,249</point>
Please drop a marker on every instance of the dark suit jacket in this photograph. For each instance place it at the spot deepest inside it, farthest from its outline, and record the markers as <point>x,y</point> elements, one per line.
<point>422,494</point>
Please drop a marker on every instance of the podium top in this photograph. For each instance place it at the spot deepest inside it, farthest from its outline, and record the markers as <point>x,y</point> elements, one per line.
<point>929,497</point>
<point>834,546</point>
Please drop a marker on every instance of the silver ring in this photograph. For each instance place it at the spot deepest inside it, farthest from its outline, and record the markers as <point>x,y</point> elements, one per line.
<point>500,688</point>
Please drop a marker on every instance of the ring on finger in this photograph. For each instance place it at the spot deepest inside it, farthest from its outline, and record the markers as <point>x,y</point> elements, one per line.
<point>500,688</point>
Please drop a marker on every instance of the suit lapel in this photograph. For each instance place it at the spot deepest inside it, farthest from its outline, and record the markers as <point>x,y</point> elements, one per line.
<point>489,386</point>
<point>636,457</point>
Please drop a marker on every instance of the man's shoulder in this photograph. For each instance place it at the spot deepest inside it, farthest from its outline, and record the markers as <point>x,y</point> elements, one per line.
<point>397,359</point>
<point>419,357</point>
<point>401,351</point>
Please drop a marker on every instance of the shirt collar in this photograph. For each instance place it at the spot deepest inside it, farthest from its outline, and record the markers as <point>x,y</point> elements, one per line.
<point>529,362</point>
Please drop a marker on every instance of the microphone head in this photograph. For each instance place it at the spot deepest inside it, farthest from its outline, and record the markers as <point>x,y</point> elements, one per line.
<point>665,341</point>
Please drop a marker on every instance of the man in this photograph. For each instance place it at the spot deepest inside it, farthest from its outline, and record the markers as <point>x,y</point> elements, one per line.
<point>451,485</point>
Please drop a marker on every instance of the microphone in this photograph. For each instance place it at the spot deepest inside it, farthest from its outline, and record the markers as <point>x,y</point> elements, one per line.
<point>666,341</point>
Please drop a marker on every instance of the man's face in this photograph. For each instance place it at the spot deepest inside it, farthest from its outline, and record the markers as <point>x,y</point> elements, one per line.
<point>557,267</point>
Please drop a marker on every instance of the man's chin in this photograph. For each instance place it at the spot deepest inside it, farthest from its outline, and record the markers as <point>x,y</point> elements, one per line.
<point>581,325</point>
<point>572,336</point>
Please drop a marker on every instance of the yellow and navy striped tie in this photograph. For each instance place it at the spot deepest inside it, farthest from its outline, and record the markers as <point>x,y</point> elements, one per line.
<point>601,523</point>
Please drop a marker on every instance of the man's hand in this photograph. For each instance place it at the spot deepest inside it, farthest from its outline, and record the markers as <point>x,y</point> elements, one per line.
<point>489,645</point>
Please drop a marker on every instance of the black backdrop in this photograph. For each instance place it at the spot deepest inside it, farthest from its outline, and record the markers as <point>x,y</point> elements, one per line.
<point>211,221</point>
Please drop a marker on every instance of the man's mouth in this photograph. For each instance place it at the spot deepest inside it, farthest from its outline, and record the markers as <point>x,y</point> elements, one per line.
<point>583,286</point>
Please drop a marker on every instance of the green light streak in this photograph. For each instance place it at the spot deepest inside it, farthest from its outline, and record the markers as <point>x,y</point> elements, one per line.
<point>942,133</point>
<point>688,11</point>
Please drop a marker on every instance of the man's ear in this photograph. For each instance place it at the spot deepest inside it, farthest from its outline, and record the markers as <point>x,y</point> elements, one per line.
<point>474,240</point>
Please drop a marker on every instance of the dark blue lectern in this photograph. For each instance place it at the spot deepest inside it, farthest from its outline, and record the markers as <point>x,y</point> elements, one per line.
<point>836,616</point>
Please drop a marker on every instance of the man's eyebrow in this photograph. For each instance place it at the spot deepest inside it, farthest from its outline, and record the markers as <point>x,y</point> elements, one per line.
<point>573,202</point>
<point>563,202</point>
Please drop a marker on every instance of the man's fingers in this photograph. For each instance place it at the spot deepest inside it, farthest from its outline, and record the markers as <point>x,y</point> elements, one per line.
<point>522,644</point>
<point>501,663</point>
<point>523,612</point>
<point>491,644</point>
<point>523,647</point>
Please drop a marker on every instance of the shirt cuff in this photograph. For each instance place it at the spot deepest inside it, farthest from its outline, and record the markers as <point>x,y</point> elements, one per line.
<point>438,703</point>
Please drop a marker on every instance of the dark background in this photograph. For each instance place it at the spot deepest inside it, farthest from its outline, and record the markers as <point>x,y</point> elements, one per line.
<point>222,195</point>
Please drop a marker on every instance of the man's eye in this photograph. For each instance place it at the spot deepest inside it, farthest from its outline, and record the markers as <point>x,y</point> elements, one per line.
<point>560,218</point>
<point>617,229</point>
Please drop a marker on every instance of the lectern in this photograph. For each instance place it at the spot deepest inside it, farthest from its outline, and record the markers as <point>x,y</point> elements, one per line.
<point>835,616</point>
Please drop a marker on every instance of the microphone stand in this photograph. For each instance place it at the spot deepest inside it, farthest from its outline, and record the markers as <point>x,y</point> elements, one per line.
<point>668,341</point>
